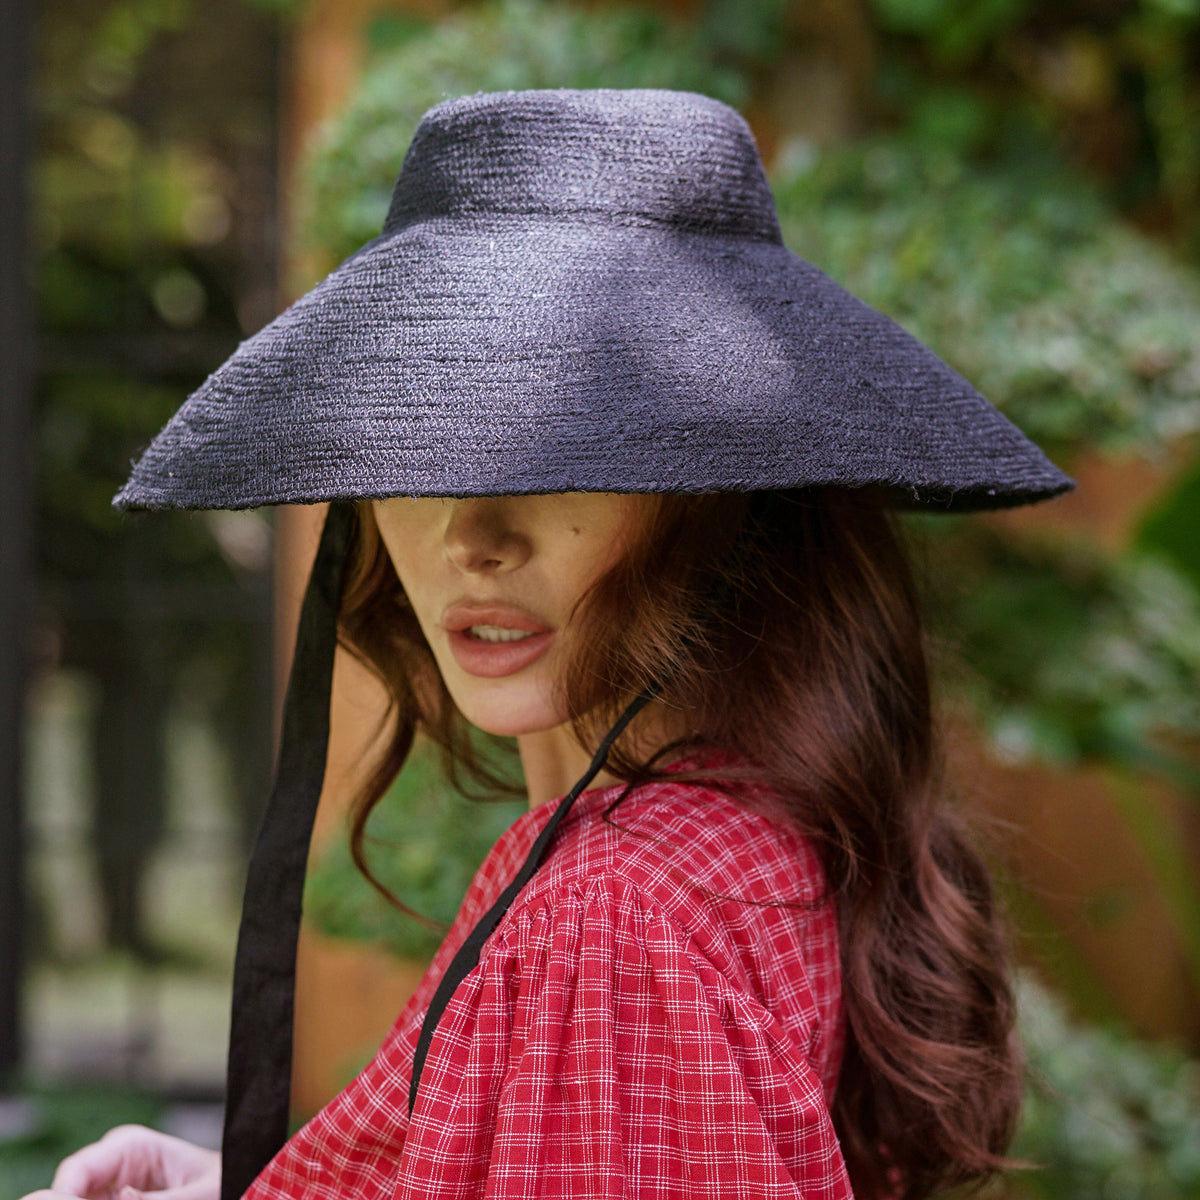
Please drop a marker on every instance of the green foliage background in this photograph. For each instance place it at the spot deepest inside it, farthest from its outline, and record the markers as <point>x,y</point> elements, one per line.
<point>1105,1115</point>
<point>424,842</point>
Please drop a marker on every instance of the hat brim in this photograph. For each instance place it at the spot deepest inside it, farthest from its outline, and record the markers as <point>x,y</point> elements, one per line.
<point>459,357</point>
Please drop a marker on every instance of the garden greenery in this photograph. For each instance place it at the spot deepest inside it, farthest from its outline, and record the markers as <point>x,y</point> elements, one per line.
<point>424,841</point>
<point>1105,1115</point>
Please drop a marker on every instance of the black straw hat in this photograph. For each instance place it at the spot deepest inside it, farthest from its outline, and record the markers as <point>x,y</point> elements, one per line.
<point>573,291</point>
<point>582,291</point>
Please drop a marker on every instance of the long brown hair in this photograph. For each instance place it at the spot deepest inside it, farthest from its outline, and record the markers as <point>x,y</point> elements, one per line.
<point>785,627</point>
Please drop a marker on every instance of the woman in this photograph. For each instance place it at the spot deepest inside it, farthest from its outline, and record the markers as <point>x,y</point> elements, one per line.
<point>622,464</point>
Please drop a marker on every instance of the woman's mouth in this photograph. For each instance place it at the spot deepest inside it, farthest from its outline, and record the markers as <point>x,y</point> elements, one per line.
<point>497,633</point>
<point>494,642</point>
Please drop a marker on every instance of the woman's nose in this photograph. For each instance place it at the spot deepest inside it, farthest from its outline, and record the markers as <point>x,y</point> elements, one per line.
<point>483,535</point>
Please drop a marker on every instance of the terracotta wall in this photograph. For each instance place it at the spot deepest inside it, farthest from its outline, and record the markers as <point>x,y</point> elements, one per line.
<point>1101,919</point>
<point>1063,834</point>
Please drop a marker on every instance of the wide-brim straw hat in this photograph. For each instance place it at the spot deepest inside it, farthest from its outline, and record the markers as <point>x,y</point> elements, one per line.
<point>573,291</point>
<point>582,291</point>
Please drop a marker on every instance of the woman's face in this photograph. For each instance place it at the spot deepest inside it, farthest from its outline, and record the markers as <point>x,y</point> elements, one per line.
<point>493,582</point>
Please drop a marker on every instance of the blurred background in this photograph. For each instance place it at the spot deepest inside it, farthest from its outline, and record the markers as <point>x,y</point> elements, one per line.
<point>1017,184</point>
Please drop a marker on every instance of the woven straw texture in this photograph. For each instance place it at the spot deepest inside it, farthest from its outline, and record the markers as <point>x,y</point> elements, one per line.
<point>582,291</point>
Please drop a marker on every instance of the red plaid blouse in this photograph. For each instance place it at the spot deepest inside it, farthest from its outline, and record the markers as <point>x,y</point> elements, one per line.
<point>647,1021</point>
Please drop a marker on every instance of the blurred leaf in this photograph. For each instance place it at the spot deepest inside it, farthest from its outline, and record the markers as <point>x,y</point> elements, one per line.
<point>1172,528</point>
<point>390,30</point>
<point>1071,656</point>
<point>75,293</point>
<point>71,1118</point>
<point>956,29</point>
<point>286,8</point>
<point>1041,937</point>
<point>129,26</point>
<point>1186,10</point>
<point>1173,873</point>
<point>913,16</point>
<point>953,120</point>
<point>748,30</point>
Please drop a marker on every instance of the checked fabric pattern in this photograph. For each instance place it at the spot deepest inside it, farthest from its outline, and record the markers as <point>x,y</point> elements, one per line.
<point>658,1015</point>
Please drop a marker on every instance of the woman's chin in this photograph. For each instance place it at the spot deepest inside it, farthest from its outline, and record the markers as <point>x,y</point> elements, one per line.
<point>503,717</point>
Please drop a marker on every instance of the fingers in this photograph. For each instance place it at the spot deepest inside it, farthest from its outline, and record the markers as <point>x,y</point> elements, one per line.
<point>97,1170</point>
<point>131,1161</point>
<point>207,1188</point>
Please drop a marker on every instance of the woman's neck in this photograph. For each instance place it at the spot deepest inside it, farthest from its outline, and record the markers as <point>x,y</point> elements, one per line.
<point>553,760</point>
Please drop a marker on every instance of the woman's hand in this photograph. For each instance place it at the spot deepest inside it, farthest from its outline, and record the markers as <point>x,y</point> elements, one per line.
<point>132,1163</point>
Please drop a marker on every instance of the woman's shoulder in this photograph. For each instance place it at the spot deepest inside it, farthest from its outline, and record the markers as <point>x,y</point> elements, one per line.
<point>694,876</point>
<point>704,858</point>
<point>711,831</point>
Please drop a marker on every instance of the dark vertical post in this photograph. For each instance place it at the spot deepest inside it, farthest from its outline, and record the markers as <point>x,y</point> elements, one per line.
<point>16,362</point>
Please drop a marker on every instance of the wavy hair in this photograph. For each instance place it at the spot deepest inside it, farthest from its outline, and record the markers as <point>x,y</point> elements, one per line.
<point>785,627</point>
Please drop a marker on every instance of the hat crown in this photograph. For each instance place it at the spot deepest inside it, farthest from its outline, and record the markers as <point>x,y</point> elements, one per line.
<point>636,157</point>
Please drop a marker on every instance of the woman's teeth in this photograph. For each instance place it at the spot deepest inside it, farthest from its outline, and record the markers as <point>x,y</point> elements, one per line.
<point>497,633</point>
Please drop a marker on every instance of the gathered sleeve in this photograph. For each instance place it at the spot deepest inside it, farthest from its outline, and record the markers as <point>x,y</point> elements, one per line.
<point>597,1052</point>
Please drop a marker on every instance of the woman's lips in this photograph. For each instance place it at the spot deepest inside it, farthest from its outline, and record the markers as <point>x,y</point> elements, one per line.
<point>464,624</point>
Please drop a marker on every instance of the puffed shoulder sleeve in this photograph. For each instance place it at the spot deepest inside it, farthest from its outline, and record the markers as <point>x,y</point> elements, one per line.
<point>595,1052</point>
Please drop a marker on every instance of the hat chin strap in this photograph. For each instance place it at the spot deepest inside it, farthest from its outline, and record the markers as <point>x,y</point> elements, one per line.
<point>259,1075</point>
